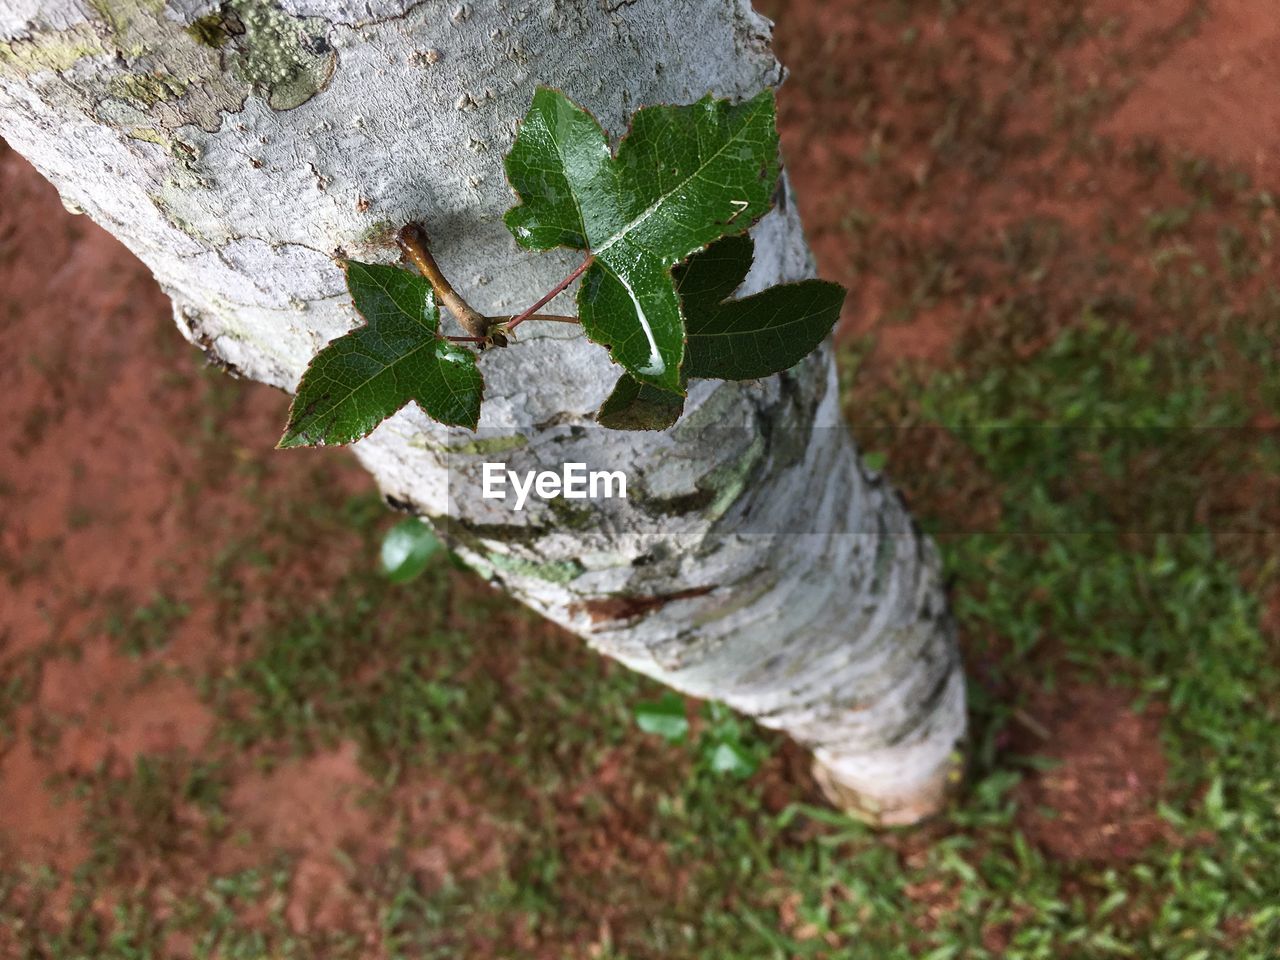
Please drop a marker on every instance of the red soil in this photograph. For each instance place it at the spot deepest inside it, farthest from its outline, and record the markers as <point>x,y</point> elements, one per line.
<point>1214,96</point>
<point>1098,801</point>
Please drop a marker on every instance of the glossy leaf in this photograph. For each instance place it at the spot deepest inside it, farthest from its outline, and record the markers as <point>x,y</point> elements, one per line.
<point>729,339</point>
<point>682,178</point>
<point>634,405</point>
<point>360,379</point>
<point>407,549</point>
<point>758,335</point>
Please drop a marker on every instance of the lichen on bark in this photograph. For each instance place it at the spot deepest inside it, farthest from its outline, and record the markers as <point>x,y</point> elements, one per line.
<point>175,73</point>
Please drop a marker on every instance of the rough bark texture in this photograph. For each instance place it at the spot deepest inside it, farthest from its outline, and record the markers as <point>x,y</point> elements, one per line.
<point>237,147</point>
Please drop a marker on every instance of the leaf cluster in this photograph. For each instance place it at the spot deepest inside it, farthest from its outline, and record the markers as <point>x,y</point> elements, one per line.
<point>662,226</point>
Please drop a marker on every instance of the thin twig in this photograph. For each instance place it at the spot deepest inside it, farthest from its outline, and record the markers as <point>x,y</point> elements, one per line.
<point>1031,723</point>
<point>552,294</point>
<point>413,241</point>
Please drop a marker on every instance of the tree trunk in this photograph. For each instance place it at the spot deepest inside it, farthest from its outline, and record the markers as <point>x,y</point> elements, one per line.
<point>237,147</point>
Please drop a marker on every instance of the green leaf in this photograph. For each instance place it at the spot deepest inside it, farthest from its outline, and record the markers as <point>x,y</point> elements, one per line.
<point>360,379</point>
<point>682,178</point>
<point>407,549</point>
<point>733,759</point>
<point>665,717</point>
<point>758,335</point>
<point>1215,806</point>
<point>875,460</point>
<point>634,405</point>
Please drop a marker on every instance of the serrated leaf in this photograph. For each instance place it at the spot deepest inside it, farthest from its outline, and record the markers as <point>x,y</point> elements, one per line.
<point>759,335</point>
<point>634,405</point>
<point>407,549</point>
<point>360,379</point>
<point>664,718</point>
<point>682,178</point>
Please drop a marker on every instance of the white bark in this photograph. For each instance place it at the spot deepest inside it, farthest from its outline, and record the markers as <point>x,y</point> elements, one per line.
<point>236,147</point>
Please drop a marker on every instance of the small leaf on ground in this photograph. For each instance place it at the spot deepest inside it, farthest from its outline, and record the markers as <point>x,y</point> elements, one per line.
<point>733,759</point>
<point>875,460</point>
<point>756,336</point>
<point>639,406</point>
<point>360,379</point>
<point>407,549</point>
<point>682,178</point>
<point>664,718</point>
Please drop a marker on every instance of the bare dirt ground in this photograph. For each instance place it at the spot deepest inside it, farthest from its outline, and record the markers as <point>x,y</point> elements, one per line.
<point>111,501</point>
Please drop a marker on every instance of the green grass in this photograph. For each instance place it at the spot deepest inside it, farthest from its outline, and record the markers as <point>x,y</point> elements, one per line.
<point>147,627</point>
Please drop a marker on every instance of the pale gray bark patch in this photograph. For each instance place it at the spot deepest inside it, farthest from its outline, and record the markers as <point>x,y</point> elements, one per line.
<point>22,18</point>
<point>318,131</point>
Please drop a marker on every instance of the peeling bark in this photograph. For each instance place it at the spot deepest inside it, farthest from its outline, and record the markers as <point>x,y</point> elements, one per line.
<point>237,147</point>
